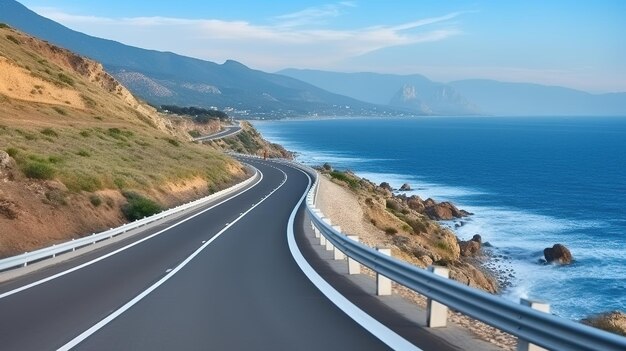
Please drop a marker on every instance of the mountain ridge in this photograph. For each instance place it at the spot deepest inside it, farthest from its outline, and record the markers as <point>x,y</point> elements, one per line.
<point>464,97</point>
<point>387,89</point>
<point>244,91</point>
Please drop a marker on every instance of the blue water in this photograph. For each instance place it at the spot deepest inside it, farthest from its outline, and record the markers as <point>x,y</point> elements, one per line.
<point>531,182</point>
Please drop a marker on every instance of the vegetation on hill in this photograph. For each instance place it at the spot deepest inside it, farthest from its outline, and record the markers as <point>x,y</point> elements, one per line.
<point>200,115</point>
<point>75,141</point>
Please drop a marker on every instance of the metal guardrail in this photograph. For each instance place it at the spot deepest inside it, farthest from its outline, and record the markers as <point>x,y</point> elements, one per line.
<point>52,251</point>
<point>539,328</point>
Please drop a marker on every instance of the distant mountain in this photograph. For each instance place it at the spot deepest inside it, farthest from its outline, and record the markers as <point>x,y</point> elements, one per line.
<point>411,92</point>
<point>523,99</point>
<point>168,78</point>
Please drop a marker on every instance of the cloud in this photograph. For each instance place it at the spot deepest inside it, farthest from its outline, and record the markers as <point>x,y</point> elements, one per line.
<point>313,15</point>
<point>297,39</point>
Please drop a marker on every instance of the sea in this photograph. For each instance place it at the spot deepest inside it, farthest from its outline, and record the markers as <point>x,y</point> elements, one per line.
<point>531,182</point>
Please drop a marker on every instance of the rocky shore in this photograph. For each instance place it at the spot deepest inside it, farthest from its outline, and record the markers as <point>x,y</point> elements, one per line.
<point>429,243</point>
<point>408,224</point>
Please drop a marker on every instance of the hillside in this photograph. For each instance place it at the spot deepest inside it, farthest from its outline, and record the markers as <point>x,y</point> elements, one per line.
<point>414,93</point>
<point>167,78</point>
<point>524,99</point>
<point>76,149</point>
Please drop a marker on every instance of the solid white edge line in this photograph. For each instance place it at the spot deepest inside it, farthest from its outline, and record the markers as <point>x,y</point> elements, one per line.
<point>379,330</point>
<point>73,269</point>
<point>84,335</point>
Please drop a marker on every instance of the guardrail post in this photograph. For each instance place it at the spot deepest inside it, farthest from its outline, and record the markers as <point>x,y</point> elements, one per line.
<point>437,313</point>
<point>329,245</point>
<point>354,267</point>
<point>524,345</point>
<point>383,284</point>
<point>322,237</point>
<point>337,254</point>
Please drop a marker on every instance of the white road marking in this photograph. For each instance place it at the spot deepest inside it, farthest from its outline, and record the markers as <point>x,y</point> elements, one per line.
<point>84,335</point>
<point>379,330</point>
<point>60,274</point>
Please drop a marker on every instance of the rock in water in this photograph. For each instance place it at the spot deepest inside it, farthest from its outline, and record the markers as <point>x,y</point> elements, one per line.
<point>405,187</point>
<point>614,322</point>
<point>558,253</point>
<point>443,210</point>
<point>472,247</point>
<point>386,186</point>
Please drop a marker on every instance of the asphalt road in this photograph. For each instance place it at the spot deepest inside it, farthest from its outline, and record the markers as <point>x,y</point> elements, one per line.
<point>224,279</point>
<point>228,131</point>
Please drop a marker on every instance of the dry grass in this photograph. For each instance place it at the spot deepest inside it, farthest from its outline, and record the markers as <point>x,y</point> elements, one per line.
<point>90,138</point>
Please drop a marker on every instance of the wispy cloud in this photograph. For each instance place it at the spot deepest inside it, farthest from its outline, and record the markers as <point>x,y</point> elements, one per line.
<point>313,15</point>
<point>298,39</point>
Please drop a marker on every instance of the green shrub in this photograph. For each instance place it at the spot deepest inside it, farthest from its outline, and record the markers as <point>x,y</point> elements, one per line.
<point>4,25</point>
<point>83,153</point>
<point>95,200</point>
<point>12,151</point>
<point>442,245</point>
<point>138,206</point>
<point>56,197</point>
<point>55,159</point>
<point>194,133</point>
<point>173,142</point>
<point>391,231</point>
<point>119,183</point>
<point>120,134</point>
<point>353,183</point>
<point>38,170</point>
<point>85,133</point>
<point>49,132</point>
<point>79,181</point>
<point>65,79</point>
<point>59,110</point>
<point>89,102</point>
<point>393,205</point>
<point>13,39</point>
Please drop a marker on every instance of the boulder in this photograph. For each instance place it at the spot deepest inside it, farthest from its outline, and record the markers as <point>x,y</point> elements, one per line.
<point>614,322</point>
<point>6,161</point>
<point>405,187</point>
<point>443,211</point>
<point>386,186</point>
<point>415,203</point>
<point>7,165</point>
<point>471,247</point>
<point>558,254</point>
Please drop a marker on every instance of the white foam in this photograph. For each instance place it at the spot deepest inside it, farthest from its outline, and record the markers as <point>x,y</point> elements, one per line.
<point>421,187</point>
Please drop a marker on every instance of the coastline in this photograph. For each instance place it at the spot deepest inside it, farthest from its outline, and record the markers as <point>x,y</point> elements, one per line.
<point>331,194</point>
<point>519,219</point>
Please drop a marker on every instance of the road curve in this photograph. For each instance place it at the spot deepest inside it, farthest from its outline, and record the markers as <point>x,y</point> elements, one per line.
<point>224,279</point>
<point>228,131</point>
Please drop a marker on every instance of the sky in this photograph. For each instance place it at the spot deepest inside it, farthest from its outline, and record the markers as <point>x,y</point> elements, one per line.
<point>577,44</point>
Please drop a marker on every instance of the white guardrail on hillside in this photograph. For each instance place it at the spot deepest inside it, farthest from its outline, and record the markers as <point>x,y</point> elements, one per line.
<point>532,327</point>
<point>72,245</point>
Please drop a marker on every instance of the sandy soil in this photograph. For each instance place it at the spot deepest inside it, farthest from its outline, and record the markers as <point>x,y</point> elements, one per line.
<point>343,208</point>
<point>17,83</point>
